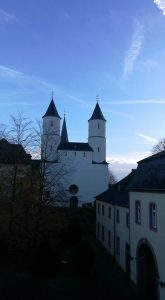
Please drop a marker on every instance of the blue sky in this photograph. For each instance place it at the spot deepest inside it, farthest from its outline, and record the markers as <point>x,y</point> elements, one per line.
<point>80,49</point>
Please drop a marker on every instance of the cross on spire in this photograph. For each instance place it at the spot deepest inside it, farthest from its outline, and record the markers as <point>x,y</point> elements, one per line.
<point>97,98</point>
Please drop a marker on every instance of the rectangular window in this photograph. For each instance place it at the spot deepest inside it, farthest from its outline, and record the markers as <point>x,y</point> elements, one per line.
<point>138,212</point>
<point>98,229</point>
<point>127,220</point>
<point>102,233</point>
<point>153,216</point>
<point>109,238</point>
<point>109,212</point>
<point>117,245</point>
<point>103,210</point>
<point>117,216</point>
<point>98,208</point>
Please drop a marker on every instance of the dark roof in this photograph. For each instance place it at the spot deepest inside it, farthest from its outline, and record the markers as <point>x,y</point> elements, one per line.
<point>154,156</point>
<point>117,194</point>
<point>64,133</point>
<point>97,113</point>
<point>52,110</point>
<point>74,146</point>
<point>150,174</point>
<point>13,153</point>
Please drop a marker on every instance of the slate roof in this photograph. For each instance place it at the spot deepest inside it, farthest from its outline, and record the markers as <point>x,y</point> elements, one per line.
<point>154,156</point>
<point>114,196</point>
<point>97,113</point>
<point>13,153</point>
<point>64,133</point>
<point>117,194</point>
<point>150,174</point>
<point>52,110</point>
<point>74,146</point>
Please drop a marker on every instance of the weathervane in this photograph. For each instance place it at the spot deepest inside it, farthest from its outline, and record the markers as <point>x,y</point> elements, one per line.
<point>52,94</point>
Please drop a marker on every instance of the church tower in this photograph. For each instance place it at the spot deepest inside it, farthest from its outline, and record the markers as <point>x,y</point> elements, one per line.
<point>96,135</point>
<point>51,133</point>
<point>64,133</point>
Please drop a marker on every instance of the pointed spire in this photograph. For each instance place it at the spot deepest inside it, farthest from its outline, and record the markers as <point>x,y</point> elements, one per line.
<point>64,134</point>
<point>52,110</point>
<point>97,113</point>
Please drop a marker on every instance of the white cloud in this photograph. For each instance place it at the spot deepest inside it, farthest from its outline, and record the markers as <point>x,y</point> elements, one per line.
<point>161,5</point>
<point>147,138</point>
<point>121,165</point>
<point>132,102</point>
<point>147,65</point>
<point>6,17</point>
<point>134,49</point>
<point>24,80</point>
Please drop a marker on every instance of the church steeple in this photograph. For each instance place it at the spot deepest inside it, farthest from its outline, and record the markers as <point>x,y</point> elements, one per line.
<point>64,133</point>
<point>97,113</point>
<point>52,110</point>
<point>97,135</point>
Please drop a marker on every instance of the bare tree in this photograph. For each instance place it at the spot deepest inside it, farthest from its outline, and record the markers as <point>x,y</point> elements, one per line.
<point>160,146</point>
<point>16,172</point>
<point>112,178</point>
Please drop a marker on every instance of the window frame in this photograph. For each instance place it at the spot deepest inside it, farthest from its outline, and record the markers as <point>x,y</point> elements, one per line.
<point>127,219</point>
<point>109,239</point>
<point>98,229</point>
<point>117,216</point>
<point>102,209</point>
<point>102,233</point>
<point>138,212</point>
<point>109,212</point>
<point>98,208</point>
<point>153,224</point>
<point>118,245</point>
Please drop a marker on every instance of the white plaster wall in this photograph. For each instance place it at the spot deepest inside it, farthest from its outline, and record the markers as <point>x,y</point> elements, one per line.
<point>50,137</point>
<point>91,179</point>
<point>108,224</point>
<point>97,140</point>
<point>138,232</point>
<point>122,231</point>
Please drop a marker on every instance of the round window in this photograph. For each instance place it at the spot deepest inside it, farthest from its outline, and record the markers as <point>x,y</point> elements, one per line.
<point>73,189</point>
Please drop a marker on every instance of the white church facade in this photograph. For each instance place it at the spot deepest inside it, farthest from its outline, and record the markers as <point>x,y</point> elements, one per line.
<point>75,172</point>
